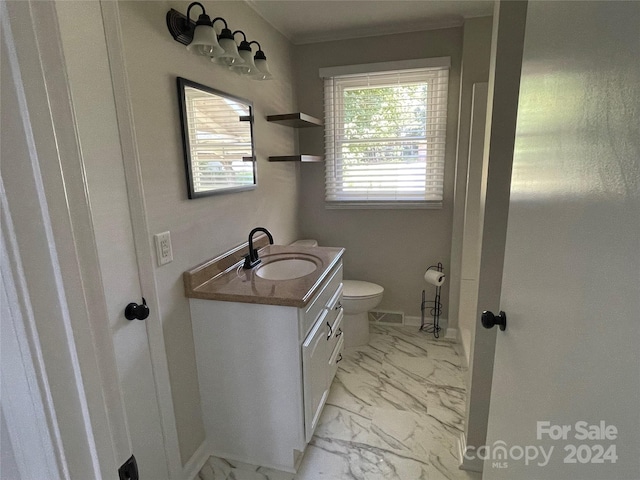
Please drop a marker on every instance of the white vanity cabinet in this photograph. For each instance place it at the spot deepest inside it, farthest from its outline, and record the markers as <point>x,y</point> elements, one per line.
<point>264,373</point>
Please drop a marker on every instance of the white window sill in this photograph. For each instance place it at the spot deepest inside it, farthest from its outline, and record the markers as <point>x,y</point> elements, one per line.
<point>383,205</point>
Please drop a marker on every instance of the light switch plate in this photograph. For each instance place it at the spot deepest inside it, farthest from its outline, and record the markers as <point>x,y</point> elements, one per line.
<point>164,252</point>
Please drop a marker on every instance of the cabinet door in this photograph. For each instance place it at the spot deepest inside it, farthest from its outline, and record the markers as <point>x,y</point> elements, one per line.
<point>314,366</point>
<point>336,357</point>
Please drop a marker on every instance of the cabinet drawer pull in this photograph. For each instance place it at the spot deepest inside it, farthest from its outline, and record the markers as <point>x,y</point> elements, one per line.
<point>338,306</point>
<point>330,334</point>
<point>339,332</point>
<point>339,358</point>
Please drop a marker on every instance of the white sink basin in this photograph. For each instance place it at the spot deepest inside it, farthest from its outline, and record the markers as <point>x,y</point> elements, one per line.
<point>286,269</point>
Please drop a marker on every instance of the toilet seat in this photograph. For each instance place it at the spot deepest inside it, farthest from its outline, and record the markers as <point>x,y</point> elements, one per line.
<point>354,289</point>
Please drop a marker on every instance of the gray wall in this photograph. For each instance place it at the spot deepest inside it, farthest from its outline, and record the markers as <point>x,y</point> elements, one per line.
<point>390,247</point>
<point>202,228</point>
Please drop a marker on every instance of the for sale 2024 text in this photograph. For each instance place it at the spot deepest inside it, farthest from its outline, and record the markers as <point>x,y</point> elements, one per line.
<point>582,431</point>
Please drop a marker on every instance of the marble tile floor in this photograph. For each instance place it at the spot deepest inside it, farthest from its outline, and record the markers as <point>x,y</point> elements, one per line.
<point>394,412</point>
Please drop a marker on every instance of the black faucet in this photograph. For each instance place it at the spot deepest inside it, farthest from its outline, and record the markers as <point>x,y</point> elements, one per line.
<point>252,259</point>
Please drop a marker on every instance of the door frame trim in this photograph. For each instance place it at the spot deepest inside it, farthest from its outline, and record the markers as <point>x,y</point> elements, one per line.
<point>31,426</point>
<point>57,257</point>
<point>509,19</point>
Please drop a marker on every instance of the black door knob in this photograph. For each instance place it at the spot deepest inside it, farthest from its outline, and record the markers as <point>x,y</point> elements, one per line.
<point>134,311</point>
<point>489,320</point>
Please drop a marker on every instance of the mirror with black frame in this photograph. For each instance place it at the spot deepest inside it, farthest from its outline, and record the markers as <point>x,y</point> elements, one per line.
<point>217,135</point>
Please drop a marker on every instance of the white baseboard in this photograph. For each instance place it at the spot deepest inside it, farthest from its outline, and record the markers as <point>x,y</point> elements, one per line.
<point>459,347</point>
<point>386,317</point>
<point>197,461</point>
<point>470,465</point>
<point>452,334</point>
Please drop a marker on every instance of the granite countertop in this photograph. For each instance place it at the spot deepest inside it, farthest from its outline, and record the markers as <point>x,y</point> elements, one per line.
<point>223,278</point>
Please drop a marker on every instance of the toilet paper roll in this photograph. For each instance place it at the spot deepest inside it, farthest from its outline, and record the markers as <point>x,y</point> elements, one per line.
<point>434,277</point>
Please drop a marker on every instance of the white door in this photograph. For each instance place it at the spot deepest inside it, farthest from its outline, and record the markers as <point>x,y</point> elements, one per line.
<point>102,183</point>
<point>566,384</point>
<point>92,94</point>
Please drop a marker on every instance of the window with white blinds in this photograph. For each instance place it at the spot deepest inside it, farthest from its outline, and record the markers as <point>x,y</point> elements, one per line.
<point>385,134</point>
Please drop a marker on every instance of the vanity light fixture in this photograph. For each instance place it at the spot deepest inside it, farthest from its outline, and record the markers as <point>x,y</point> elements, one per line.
<point>230,56</point>
<point>256,66</point>
<point>200,37</point>
<point>247,67</point>
<point>204,41</point>
<point>262,69</point>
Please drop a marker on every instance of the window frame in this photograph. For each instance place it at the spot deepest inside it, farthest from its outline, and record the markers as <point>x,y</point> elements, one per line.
<point>337,79</point>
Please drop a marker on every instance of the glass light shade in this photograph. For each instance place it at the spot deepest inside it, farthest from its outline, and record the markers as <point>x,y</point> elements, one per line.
<point>230,56</point>
<point>246,68</point>
<point>205,41</point>
<point>262,70</point>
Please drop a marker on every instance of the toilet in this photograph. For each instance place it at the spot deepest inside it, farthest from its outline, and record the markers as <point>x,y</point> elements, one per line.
<point>358,298</point>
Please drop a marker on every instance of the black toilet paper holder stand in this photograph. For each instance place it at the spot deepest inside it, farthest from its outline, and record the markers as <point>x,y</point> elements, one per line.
<point>435,308</point>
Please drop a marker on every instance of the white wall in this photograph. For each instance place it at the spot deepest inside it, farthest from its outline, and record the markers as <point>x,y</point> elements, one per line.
<point>202,228</point>
<point>472,231</point>
<point>390,247</point>
<point>476,50</point>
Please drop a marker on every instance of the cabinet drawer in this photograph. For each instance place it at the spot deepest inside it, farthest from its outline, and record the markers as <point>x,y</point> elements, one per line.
<point>326,294</point>
<point>335,332</point>
<point>336,301</point>
<point>334,310</point>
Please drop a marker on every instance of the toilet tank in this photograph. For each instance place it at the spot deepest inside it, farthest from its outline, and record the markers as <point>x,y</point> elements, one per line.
<point>309,242</point>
